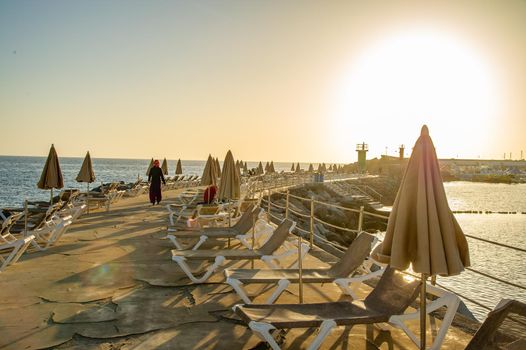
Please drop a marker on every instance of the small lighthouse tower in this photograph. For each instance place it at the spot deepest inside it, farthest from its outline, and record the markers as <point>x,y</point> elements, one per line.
<point>362,149</point>
<point>401,148</point>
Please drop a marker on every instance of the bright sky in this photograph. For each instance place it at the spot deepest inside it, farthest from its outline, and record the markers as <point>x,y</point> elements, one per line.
<point>282,80</point>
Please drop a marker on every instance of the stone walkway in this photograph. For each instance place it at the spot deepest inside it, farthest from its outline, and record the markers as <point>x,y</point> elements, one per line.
<point>110,284</point>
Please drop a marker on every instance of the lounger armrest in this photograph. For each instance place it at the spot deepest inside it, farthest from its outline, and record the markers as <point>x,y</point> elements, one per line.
<point>345,283</point>
<point>446,299</point>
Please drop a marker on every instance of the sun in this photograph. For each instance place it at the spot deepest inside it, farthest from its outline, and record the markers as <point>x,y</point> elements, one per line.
<point>414,77</point>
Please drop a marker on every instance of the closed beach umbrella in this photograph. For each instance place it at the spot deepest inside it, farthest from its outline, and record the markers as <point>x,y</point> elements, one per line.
<point>260,169</point>
<point>179,168</point>
<point>245,168</point>
<point>230,184</point>
<point>209,176</point>
<point>298,169</point>
<point>51,176</point>
<point>86,174</point>
<point>323,168</point>
<point>422,231</point>
<point>311,168</point>
<point>149,167</point>
<point>320,168</point>
<point>164,167</point>
<point>271,167</point>
<point>267,166</point>
<point>292,168</point>
<point>218,167</point>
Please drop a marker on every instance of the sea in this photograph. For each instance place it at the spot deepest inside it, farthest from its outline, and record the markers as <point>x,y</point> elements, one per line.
<point>19,175</point>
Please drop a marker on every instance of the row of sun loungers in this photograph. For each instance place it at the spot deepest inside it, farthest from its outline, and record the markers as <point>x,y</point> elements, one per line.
<point>39,231</point>
<point>182,181</point>
<point>389,302</point>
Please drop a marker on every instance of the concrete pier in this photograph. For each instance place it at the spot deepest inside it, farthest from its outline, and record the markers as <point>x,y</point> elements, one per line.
<point>110,284</point>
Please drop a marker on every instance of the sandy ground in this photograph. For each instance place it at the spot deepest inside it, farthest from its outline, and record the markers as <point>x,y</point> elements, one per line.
<point>110,284</point>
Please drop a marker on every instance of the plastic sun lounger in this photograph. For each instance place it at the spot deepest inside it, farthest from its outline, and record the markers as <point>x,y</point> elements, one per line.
<point>11,248</point>
<point>353,258</point>
<point>391,297</point>
<point>392,287</point>
<point>48,236</point>
<point>504,328</point>
<point>202,212</point>
<point>267,253</point>
<point>262,230</point>
<point>238,231</point>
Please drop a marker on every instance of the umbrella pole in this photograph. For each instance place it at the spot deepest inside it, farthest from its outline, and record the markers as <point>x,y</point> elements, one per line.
<point>87,201</point>
<point>423,312</point>
<point>300,269</point>
<point>51,197</point>
<point>253,239</point>
<point>25,218</point>
<point>229,219</point>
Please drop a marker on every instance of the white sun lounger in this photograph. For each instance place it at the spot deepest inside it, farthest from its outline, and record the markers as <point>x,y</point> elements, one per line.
<point>267,253</point>
<point>11,248</point>
<point>353,258</point>
<point>385,305</point>
<point>239,231</point>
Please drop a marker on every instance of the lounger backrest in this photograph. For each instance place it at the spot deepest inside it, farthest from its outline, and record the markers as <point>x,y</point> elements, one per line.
<point>51,211</point>
<point>354,256</point>
<point>245,221</point>
<point>393,293</point>
<point>9,222</point>
<point>504,328</point>
<point>278,237</point>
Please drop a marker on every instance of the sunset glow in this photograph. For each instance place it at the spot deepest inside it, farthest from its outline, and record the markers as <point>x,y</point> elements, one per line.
<point>415,77</point>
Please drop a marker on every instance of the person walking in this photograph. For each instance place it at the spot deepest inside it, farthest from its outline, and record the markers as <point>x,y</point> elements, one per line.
<point>155,176</point>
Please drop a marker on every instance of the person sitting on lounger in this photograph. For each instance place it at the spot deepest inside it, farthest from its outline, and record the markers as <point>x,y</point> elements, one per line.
<point>209,194</point>
<point>155,177</point>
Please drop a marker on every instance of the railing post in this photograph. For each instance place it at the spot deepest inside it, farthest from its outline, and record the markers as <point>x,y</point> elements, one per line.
<point>300,268</point>
<point>360,220</point>
<point>287,206</point>
<point>253,239</point>
<point>311,222</point>
<point>26,212</point>
<point>268,206</point>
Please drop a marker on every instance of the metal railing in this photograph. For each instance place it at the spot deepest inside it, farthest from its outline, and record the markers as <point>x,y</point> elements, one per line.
<point>284,190</point>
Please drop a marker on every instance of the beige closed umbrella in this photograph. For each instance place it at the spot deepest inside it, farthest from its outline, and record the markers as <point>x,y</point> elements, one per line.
<point>179,168</point>
<point>209,176</point>
<point>272,170</point>
<point>320,168</point>
<point>230,184</point>
<point>164,167</point>
<point>298,169</point>
<point>86,174</point>
<point>267,167</point>
<point>149,168</point>
<point>218,167</point>
<point>260,169</point>
<point>51,176</point>
<point>311,168</point>
<point>422,231</point>
<point>245,168</point>
<point>292,168</point>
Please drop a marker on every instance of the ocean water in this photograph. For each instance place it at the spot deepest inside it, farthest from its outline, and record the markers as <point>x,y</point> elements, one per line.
<point>19,175</point>
<point>510,229</point>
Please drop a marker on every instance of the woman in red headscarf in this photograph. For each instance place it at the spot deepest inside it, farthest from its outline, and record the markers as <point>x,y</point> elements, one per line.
<point>155,176</point>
